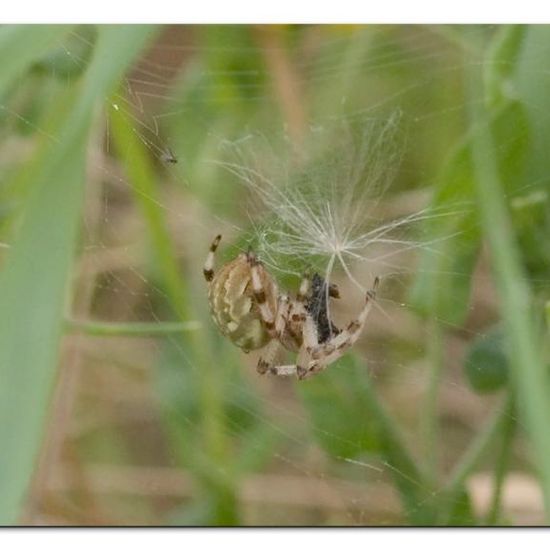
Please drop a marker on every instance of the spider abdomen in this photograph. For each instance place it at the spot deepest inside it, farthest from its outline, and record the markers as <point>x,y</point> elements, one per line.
<point>233,307</point>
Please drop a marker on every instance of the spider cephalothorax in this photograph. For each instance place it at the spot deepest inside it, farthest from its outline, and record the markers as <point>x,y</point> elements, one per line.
<point>248,308</point>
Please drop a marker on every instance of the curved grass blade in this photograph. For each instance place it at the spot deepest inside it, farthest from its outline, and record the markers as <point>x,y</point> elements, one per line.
<point>21,45</point>
<point>34,281</point>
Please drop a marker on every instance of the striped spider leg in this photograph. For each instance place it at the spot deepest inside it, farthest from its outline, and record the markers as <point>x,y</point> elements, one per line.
<point>316,353</point>
<point>289,320</point>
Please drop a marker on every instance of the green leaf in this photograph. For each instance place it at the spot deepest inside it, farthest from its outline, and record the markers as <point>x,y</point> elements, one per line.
<point>22,45</point>
<point>33,283</point>
<point>532,208</point>
<point>532,81</point>
<point>462,512</point>
<point>525,351</point>
<point>500,64</point>
<point>486,365</point>
<point>71,56</point>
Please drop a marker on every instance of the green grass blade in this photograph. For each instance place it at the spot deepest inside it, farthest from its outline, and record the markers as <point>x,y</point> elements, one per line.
<point>33,284</point>
<point>141,176</point>
<point>21,45</point>
<point>213,448</point>
<point>443,283</point>
<point>528,370</point>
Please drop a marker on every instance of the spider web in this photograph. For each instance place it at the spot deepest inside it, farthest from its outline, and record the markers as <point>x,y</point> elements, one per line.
<point>143,431</point>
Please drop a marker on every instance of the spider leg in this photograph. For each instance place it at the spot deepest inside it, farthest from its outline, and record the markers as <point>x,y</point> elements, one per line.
<point>325,354</point>
<point>270,351</point>
<point>281,319</point>
<point>298,316</point>
<point>266,313</point>
<point>295,370</point>
<point>297,312</point>
<point>300,321</point>
<point>208,269</point>
<point>265,362</point>
<point>303,361</point>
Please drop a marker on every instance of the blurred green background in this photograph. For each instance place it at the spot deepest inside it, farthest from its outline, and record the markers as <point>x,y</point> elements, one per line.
<point>121,404</point>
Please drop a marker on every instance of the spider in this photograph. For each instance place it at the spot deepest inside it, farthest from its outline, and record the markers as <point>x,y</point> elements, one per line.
<point>248,308</point>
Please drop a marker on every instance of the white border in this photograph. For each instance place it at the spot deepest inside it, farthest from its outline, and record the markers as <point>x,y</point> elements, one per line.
<point>252,539</point>
<point>275,11</point>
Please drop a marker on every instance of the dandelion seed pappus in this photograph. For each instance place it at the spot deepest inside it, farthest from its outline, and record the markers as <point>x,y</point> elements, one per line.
<point>324,210</point>
<point>249,309</point>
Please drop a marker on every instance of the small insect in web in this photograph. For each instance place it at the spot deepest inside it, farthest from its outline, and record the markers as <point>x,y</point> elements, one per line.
<point>249,309</point>
<point>168,157</point>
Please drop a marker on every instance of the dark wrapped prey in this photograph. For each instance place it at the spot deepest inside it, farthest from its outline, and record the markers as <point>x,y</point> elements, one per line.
<point>317,307</point>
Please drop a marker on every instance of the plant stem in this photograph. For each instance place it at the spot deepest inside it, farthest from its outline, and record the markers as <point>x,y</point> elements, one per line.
<point>430,421</point>
<point>503,456</point>
<point>142,178</point>
<point>97,328</point>
<point>473,454</point>
<point>528,369</point>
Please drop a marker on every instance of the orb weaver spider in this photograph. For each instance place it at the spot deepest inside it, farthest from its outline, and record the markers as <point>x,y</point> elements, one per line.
<point>248,308</point>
